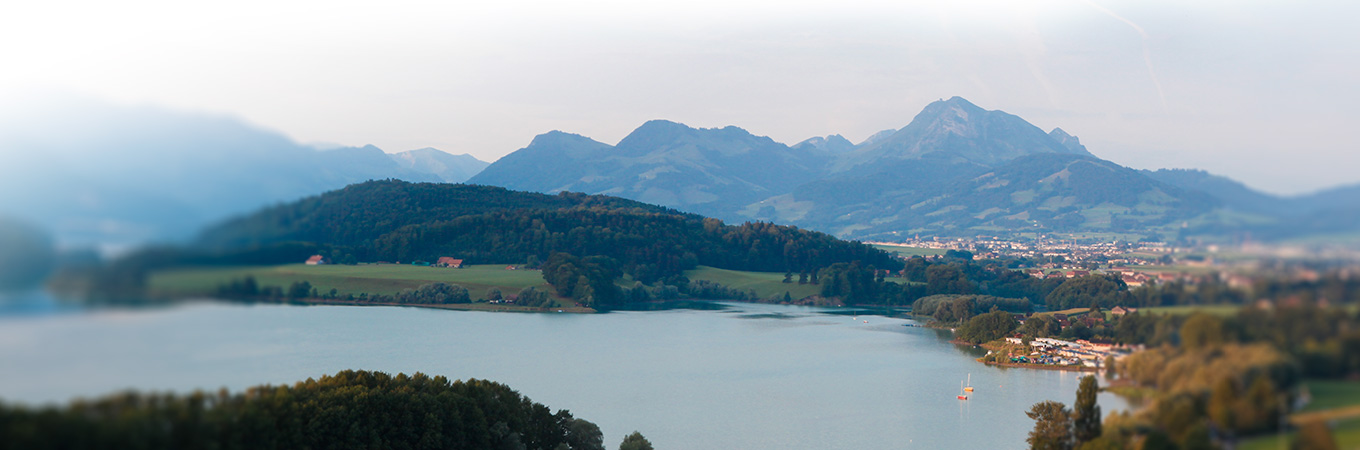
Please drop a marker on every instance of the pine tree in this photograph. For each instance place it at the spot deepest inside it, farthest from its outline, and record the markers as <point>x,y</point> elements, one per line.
<point>1085,412</point>
<point>635,441</point>
<point>1052,426</point>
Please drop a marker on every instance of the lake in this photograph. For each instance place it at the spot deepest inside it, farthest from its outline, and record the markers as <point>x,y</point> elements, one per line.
<point>749,376</point>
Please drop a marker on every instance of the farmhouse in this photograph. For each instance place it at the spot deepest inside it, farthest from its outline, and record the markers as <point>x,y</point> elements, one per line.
<point>447,261</point>
<point>1120,310</point>
<point>316,260</point>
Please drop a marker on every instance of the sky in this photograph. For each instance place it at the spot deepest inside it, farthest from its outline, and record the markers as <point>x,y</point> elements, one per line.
<point>1263,92</point>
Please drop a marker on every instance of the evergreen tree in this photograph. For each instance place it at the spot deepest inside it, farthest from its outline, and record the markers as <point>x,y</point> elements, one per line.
<point>1052,426</point>
<point>635,441</point>
<point>1085,412</point>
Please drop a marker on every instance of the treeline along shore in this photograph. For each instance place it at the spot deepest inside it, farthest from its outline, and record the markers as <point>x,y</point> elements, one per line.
<point>350,409</point>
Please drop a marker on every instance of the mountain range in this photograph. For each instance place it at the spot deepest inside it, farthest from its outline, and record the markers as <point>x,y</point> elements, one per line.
<point>114,176</point>
<point>132,175</point>
<point>955,169</point>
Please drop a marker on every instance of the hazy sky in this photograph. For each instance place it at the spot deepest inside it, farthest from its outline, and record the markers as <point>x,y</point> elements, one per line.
<point>1263,92</point>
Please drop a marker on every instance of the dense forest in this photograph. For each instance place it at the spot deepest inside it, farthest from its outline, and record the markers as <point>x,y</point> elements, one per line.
<point>396,221</point>
<point>860,284</point>
<point>362,212</point>
<point>349,410</point>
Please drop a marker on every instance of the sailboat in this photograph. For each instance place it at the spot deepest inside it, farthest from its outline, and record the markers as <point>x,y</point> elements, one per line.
<point>970,384</point>
<point>962,396</point>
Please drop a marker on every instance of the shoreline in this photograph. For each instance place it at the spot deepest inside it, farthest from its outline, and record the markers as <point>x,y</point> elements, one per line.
<point>475,306</point>
<point>1042,366</point>
<point>452,306</point>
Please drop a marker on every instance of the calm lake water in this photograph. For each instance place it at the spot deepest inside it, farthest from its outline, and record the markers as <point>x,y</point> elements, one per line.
<point>750,376</point>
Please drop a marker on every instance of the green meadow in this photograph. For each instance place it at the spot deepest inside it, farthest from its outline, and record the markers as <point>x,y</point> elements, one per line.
<point>1331,394</point>
<point>766,284</point>
<point>906,252</point>
<point>1328,397</point>
<point>358,279</point>
<point>390,279</point>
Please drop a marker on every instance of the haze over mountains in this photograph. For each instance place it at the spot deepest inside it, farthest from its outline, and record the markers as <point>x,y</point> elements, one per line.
<point>955,169</point>
<point>133,175</point>
<point>95,174</point>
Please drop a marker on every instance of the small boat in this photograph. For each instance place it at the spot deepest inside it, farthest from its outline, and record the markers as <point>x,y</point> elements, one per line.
<point>962,396</point>
<point>970,384</point>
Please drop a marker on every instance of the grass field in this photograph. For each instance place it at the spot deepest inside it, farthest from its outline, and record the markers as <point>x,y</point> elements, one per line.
<point>1070,312</point>
<point>1346,433</point>
<point>765,284</point>
<point>1329,394</point>
<point>1341,397</point>
<point>389,279</point>
<point>366,278</point>
<point>906,252</point>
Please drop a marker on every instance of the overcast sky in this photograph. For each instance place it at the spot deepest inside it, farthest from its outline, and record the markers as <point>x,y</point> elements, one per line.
<point>1262,92</point>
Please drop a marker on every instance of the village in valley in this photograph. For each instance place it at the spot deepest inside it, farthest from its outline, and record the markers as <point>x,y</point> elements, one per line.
<point>1144,262</point>
<point>1241,268</point>
<point>1079,354</point>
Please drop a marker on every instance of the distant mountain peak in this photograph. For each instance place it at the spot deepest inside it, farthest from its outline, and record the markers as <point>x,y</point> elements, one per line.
<point>834,144</point>
<point>661,133</point>
<point>1069,141</point>
<point>654,132</point>
<point>426,150</point>
<point>366,150</point>
<point>554,137</point>
<point>956,105</point>
<point>448,167</point>
<point>959,131</point>
<point>876,137</point>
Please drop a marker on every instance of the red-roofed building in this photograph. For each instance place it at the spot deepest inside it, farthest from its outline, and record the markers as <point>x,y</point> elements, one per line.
<point>316,260</point>
<point>1132,281</point>
<point>445,261</point>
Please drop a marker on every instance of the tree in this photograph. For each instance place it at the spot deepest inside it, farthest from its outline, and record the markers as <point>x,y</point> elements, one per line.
<point>1052,426</point>
<point>1106,292</point>
<point>1038,326</point>
<point>947,279</point>
<point>583,435</point>
<point>959,254</point>
<point>987,327</point>
<point>1085,412</point>
<point>1222,401</point>
<point>532,297</point>
<point>635,441</point>
<point>1314,436</point>
<point>299,289</point>
<point>1201,330</point>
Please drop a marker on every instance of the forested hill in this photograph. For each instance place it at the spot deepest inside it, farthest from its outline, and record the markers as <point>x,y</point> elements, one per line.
<point>352,409</point>
<point>362,212</point>
<point>399,221</point>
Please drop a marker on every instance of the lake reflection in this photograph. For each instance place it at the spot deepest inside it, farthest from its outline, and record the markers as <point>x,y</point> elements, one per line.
<point>748,376</point>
